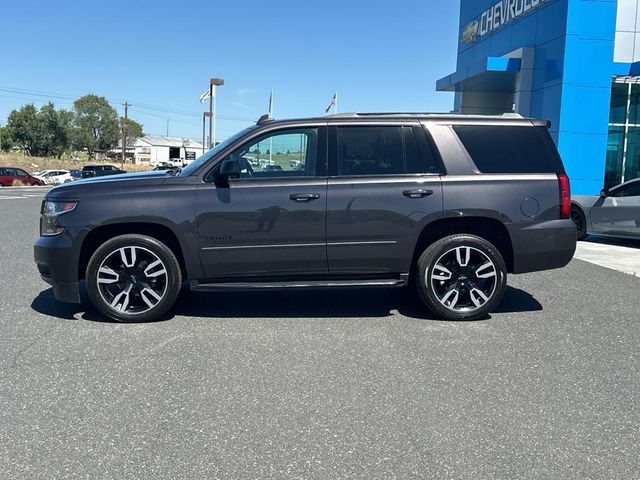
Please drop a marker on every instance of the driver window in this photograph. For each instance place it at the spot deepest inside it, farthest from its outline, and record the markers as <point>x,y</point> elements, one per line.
<point>626,191</point>
<point>290,153</point>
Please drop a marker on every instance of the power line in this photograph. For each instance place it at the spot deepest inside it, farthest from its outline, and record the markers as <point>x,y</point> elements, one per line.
<point>59,96</point>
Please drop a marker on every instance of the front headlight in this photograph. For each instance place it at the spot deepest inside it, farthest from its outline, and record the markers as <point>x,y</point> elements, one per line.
<point>51,212</point>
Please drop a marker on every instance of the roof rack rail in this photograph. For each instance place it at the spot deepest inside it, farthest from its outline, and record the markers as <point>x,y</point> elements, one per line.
<point>265,119</point>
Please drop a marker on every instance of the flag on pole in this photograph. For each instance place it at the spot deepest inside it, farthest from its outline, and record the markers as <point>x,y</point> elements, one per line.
<point>205,95</point>
<point>271,105</point>
<point>332,102</point>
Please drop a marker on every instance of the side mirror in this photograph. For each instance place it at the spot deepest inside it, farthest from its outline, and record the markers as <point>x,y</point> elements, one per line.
<point>229,169</point>
<point>603,193</point>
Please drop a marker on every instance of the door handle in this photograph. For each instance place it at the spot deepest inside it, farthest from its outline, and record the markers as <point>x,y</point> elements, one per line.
<point>304,197</point>
<point>418,193</point>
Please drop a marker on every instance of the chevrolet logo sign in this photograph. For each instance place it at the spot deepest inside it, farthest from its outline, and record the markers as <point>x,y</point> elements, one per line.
<point>470,32</point>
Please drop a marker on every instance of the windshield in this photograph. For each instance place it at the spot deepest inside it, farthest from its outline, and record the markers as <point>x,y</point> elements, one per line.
<point>193,166</point>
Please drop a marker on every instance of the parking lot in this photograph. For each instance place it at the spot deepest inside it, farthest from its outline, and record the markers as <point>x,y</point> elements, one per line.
<point>344,384</point>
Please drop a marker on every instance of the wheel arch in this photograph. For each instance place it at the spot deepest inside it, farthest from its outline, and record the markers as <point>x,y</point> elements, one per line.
<point>490,229</point>
<point>98,235</point>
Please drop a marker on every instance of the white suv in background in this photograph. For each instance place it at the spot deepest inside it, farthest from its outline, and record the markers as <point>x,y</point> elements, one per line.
<point>54,177</point>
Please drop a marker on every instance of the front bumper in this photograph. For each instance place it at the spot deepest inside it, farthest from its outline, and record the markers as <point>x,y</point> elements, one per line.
<point>57,260</point>
<point>543,246</point>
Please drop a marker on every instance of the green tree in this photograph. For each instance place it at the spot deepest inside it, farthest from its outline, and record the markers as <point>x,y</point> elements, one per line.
<point>6,139</point>
<point>134,131</point>
<point>54,131</point>
<point>23,123</point>
<point>96,125</point>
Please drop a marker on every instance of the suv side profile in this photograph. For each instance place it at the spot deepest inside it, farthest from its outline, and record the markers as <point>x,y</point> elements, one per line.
<point>449,203</point>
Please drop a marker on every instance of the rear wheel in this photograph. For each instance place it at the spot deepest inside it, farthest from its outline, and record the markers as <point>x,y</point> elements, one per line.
<point>133,278</point>
<point>580,221</point>
<point>461,277</point>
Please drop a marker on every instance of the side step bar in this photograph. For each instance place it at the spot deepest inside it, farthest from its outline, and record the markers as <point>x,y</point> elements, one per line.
<point>198,286</point>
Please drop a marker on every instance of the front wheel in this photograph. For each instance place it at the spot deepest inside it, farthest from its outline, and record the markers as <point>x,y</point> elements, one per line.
<point>461,277</point>
<point>133,278</point>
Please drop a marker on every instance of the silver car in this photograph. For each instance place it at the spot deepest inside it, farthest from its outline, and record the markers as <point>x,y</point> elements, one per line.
<point>615,212</point>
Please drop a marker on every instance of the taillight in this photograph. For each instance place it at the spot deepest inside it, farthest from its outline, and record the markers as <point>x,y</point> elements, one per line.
<point>565,196</point>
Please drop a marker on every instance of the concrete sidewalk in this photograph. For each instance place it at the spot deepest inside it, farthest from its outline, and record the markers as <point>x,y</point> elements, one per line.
<point>618,254</point>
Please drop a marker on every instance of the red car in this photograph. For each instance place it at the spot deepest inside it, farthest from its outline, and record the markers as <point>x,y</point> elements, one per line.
<point>9,175</point>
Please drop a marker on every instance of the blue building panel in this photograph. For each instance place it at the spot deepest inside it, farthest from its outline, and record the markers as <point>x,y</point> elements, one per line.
<point>566,51</point>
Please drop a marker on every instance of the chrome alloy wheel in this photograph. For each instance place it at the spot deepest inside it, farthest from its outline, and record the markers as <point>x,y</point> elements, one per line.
<point>463,279</point>
<point>132,280</point>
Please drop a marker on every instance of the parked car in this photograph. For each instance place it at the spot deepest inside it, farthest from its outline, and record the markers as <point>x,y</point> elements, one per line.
<point>450,203</point>
<point>75,173</point>
<point>615,212</point>
<point>164,167</point>
<point>89,171</point>
<point>11,176</point>
<point>54,177</point>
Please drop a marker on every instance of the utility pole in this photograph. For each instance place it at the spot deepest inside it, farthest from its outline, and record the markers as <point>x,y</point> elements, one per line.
<point>167,127</point>
<point>125,126</point>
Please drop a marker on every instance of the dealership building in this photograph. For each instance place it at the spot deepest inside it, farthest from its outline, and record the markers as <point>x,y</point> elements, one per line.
<point>573,62</point>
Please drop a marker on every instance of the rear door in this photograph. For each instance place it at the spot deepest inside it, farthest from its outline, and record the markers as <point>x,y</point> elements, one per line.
<point>384,183</point>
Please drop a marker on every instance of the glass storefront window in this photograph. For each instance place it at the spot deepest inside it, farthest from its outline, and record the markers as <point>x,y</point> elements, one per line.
<point>634,104</point>
<point>615,150</point>
<point>618,109</point>
<point>623,161</point>
<point>632,162</point>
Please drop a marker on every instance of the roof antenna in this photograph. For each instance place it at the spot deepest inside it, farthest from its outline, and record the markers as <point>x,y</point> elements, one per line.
<point>265,119</point>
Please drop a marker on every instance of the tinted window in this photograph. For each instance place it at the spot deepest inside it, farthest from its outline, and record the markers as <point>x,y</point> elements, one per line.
<point>510,149</point>
<point>411,152</point>
<point>384,151</point>
<point>288,153</point>
<point>370,151</point>
<point>21,173</point>
<point>632,190</point>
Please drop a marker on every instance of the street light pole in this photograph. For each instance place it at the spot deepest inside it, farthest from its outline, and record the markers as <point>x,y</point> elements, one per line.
<point>204,121</point>
<point>213,83</point>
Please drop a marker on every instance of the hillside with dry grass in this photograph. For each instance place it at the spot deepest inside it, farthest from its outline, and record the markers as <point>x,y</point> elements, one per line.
<point>33,164</point>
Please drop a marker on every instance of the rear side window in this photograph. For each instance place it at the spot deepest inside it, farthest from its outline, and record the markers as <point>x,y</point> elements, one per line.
<point>384,150</point>
<point>510,149</point>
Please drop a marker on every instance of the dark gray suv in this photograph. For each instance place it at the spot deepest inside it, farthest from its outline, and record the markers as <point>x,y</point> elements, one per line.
<point>450,203</point>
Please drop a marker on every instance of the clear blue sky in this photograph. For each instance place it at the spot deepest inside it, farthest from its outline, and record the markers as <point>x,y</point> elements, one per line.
<point>379,56</point>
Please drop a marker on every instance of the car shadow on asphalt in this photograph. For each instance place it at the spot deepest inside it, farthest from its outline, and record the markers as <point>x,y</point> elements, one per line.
<point>345,303</point>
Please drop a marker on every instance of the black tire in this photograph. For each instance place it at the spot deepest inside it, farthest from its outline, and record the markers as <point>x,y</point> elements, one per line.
<point>579,219</point>
<point>468,287</point>
<point>139,296</point>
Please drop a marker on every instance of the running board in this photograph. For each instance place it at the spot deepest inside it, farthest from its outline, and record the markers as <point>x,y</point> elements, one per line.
<point>221,286</point>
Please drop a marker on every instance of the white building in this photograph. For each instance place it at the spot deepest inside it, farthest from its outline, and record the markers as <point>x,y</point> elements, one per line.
<point>156,150</point>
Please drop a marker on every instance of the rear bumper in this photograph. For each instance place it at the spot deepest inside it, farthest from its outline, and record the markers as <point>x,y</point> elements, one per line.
<point>543,246</point>
<point>57,261</point>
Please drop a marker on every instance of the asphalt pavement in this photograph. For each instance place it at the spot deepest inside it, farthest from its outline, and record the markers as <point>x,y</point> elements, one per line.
<point>345,384</point>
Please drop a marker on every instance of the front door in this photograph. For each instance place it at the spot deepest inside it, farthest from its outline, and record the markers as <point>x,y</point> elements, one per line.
<point>619,212</point>
<point>271,220</point>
